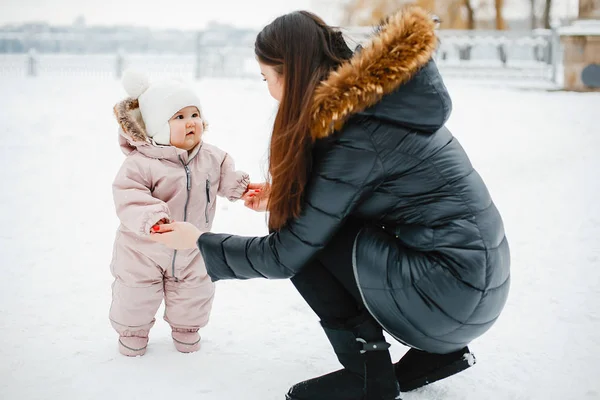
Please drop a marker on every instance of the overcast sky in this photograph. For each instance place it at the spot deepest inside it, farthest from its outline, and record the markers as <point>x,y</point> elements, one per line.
<point>182,14</point>
<point>195,14</point>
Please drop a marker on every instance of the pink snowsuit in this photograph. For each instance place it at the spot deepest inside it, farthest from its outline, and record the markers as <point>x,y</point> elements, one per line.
<point>157,182</point>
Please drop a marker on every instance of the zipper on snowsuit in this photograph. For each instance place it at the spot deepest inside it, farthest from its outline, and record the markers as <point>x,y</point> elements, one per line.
<point>207,199</point>
<point>188,180</point>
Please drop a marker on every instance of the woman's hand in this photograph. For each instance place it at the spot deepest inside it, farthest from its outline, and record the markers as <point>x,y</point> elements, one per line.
<point>176,235</point>
<point>257,196</point>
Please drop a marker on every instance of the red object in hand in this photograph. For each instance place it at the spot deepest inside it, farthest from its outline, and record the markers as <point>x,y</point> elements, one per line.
<point>155,228</point>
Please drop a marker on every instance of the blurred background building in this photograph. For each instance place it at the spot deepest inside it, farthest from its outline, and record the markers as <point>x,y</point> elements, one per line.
<point>479,38</point>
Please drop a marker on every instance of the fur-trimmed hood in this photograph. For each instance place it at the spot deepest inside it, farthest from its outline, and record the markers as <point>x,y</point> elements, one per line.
<point>132,134</point>
<point>393,77</point>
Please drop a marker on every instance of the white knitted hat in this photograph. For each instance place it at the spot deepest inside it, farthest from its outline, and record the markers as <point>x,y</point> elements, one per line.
<point>159,102</point>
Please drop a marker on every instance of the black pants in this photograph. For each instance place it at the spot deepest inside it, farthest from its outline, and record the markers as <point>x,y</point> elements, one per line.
<point>328,284</point>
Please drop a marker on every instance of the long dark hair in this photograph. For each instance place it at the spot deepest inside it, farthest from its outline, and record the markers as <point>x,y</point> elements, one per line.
<point>303,50</point>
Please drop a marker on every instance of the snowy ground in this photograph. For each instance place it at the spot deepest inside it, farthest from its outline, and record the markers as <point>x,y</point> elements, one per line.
<point>537,150</point>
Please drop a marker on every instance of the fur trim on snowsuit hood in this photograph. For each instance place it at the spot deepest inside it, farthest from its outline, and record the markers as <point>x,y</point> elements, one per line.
<point>132,134</point>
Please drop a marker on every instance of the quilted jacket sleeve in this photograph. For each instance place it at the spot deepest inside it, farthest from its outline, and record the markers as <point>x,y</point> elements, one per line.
<point>344,175</point>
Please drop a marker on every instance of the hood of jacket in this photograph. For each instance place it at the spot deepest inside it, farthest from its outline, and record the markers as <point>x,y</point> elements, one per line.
<point>393,77</point>
<point>132,135</point>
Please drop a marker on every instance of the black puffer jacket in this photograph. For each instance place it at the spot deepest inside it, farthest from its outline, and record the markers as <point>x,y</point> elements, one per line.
<point>432,261</point>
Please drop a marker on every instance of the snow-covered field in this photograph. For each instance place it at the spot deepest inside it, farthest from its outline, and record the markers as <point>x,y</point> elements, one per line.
<point>537,150</point>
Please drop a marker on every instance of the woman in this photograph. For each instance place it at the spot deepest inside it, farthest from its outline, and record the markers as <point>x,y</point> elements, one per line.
<point>375,211</point>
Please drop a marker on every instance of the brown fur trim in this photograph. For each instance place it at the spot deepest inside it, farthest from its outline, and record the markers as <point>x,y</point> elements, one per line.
<point>133,127</point>
<point>404,44</point>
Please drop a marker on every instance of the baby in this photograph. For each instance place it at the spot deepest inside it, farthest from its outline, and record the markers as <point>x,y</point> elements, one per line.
<point>169,174</point>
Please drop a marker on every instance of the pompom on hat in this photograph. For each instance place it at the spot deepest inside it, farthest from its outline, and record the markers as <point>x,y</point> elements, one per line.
<point>159,102</point>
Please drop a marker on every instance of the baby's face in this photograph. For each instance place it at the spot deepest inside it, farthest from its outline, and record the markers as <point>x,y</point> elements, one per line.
<point>186,128</point>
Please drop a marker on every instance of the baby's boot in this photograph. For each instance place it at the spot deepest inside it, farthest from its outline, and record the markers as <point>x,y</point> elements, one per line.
<point>133,346</point>
<point>186,340</point>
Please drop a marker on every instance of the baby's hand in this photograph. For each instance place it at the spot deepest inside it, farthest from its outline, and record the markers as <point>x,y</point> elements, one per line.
<point>161,222</point>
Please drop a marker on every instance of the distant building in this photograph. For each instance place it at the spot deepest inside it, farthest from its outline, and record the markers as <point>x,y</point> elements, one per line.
<point>79,38</point>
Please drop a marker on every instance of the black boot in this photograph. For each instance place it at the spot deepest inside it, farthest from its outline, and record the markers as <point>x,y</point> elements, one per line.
<point>418,368</point>
<point>368,372</point>
<point>380,379</point>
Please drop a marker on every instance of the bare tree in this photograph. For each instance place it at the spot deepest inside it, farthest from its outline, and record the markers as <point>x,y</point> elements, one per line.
<point>454,14</point>
<point>500,26</point>
<point>500,23</point>
<point>546,15</point>
<point>364,12</point>
<point>371,12</point>
<point>470,15</point>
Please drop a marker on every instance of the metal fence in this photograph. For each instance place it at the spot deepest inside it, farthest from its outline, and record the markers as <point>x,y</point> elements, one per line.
<point>531,55</point>
<point>490,54</point>
<point>500,54</point>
